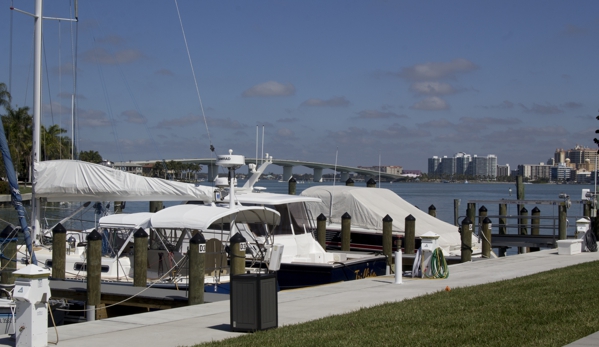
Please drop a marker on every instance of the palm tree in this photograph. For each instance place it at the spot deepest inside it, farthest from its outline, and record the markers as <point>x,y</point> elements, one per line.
<point>18,127</point>
<point>5,97</point>
<point>53,144</point>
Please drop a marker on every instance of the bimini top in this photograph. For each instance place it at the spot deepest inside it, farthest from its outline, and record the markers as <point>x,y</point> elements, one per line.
<point>125,220</point>
<point>270,198</point>
<point>202,216</point>
<point>368,206</point>
<point>72,180</point>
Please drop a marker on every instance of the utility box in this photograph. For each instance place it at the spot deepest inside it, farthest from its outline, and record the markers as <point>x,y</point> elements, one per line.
<point>32,292</point>
<point>254,302</point>
<point>569,246</point>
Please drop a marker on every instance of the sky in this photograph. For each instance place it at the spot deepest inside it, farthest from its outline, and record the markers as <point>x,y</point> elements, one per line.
<point>357,82</point>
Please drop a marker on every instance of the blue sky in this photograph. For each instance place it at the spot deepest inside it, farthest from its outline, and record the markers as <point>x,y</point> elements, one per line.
<point>405,80</point>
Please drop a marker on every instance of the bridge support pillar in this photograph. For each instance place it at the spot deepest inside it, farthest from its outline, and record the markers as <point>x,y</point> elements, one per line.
<point>212,172</point>
<point>344,176</point>
<point>317,174</point>
<point>287,173</point>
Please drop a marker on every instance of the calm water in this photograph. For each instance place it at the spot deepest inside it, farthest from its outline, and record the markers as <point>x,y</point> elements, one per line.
<point>422,195</point>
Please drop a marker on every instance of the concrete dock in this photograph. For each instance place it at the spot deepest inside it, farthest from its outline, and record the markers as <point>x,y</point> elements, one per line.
<point>190,325</point>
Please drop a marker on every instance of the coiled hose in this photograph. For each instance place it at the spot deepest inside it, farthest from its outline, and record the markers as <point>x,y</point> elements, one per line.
<point>438,265</point>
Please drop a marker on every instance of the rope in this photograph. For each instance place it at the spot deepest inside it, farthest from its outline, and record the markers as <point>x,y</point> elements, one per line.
<point>134,295</point>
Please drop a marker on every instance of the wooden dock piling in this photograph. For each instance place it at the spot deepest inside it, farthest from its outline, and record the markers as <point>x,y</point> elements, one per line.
<point>523,222</point>
<point>197,259</point>
<point>59,251</point>
<point>486,232</point>
<point>140,258</point>
<point>409,239</point>
<point>388,240</point>
<point>345,232</point>
<point>466,236</point>
<point>432,211</point>
<point>94,269</point>
<point>321,230</point>
<point>535,223</point>
<point>562,224</point>
<point>292,184</point>
<point>156,206</point>
<point>371,183</point>
<point>502,226</point>
<point>238,246</point>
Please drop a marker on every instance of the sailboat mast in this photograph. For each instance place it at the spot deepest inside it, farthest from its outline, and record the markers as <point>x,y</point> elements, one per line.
<point>37,106</point>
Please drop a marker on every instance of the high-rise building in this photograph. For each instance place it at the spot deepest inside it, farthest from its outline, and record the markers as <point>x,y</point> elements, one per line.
<point>462,161</point>
<point>448,166</point>
<point>434,166</point>
<point>576,157</point>
<point>503,170</point>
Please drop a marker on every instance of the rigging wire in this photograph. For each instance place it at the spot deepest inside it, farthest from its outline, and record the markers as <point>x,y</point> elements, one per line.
<point>74,123</point>
<point>194,77</point>
<point>10,48</point>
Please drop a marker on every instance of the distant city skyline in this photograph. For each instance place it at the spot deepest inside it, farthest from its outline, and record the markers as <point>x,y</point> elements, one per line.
<point>352,82</point>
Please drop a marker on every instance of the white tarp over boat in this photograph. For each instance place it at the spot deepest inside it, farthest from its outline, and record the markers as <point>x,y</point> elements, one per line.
<point>202,216</point>
<point>368,206</point>
<point>72,180</point>
<point>125,220</point>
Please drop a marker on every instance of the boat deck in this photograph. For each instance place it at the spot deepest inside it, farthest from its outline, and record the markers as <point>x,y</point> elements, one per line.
<point>190,325</point>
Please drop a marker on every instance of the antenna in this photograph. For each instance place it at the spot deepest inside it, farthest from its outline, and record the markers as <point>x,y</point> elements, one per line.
<point>256,146</point>
<point>335,173</point>
<point>379,169</point>
<point>262,156</point>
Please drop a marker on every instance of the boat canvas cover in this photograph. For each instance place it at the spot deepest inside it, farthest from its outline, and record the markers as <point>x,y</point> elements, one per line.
<point>202,216</point>
<point>270,198</point>
<point>368,206</point>
<point>72,180</point>
<point>124,220</point>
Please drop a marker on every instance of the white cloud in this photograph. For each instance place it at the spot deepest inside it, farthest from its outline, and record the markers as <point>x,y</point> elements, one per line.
<point>270,88</point>
<point>102,56</point>
<point>432,88</point>
<point>432,103</point>
<point>338,101</point>
<point>438,70</point>
<point>134,117</point>
<point>373,114</point>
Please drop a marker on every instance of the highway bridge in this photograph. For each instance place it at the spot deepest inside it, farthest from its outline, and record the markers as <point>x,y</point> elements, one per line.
<point>287,168</point>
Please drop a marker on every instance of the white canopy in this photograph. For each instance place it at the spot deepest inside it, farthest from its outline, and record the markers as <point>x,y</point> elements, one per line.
<point>202,216</point>
<point>72,180</point>
<point>368,206</point>
<point>124,220</point>
<point>270,198</point>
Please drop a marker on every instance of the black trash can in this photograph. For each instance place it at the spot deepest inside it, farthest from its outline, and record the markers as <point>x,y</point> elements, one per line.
<point>254,302</point>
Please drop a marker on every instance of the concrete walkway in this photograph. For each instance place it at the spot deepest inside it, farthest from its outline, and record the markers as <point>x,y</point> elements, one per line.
<point>187,326</point>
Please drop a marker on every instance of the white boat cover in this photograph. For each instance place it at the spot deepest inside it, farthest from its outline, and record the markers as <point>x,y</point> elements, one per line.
<point>72,180</point>
<point>202,216</point>
<point>270,198</point>
<point>368,206</point>
<point>125,220</point>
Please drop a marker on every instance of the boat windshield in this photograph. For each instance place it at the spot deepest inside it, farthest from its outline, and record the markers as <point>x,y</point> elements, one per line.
<point>294,219</point>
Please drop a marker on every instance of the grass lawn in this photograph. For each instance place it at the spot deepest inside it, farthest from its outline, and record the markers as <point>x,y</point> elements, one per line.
<point>551,308</point>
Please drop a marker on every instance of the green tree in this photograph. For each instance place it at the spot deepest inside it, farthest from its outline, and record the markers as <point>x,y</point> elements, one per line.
<point>90,156</point>
<point>54,145</point>
<point>18,126</point>
<point>5,97</point>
